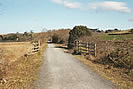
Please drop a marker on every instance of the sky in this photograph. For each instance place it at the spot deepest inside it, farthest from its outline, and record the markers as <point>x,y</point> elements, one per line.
<point>38,15</point>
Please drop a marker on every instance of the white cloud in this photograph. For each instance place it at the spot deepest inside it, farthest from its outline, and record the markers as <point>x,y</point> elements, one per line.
<point>68,3</point>
<point>72,4</point>
<point>105,5</point>
<point>110,6</point>
<point>57,1</point>
<point>130,19</point>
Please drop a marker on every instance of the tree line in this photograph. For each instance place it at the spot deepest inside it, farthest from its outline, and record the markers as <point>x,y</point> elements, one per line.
<point>26,36</point>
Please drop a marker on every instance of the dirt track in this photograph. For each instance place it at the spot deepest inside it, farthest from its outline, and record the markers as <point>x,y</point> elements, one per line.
<point>62,71</point>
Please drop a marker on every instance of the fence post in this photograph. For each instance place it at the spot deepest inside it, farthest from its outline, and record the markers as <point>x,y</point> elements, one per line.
<point>39,44</point>
<point>87,46</point>
<point>95,49</point>
<point>79,46</point>
<point>75,44</point>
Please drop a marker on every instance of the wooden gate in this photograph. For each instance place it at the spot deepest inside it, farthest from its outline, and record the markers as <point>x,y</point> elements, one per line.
<point>87,48</point>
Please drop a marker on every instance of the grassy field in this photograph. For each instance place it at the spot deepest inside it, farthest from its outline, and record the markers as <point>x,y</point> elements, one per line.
<point>11,51</point>
<point>116,37</point>
<point>18,70</point>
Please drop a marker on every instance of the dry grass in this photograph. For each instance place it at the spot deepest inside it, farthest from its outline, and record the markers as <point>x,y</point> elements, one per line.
<point>13,50</point>
<point>19,71</point>
<point>113,74</point>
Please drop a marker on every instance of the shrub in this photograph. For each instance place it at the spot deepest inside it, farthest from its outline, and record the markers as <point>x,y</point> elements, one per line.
<point>76,33</point>
<point>1,37</point>
<point>75,51</point>
<point>131,30</point>
<point>55,38</point>
<point>61,42</point>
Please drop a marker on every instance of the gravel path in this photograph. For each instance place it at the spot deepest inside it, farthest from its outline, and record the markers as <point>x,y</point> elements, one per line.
<point>62,71</point>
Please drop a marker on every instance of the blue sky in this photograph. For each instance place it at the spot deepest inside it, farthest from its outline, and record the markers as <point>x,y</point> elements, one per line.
<point>26,15</point>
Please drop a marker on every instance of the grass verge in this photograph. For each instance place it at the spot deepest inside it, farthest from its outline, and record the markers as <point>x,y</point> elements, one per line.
<point>113,74</point>
<point>22,73</point>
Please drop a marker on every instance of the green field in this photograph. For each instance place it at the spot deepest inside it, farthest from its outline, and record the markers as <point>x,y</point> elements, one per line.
<point>116,37</point>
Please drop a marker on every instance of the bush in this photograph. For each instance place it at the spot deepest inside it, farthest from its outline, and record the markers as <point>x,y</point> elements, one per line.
<point>55,38</point>
<point>61,42</point>
<point>131,30</point>
<point>1,37</point>
<point>75,51</point>
<point>9,37</point>
<point>76,33</point>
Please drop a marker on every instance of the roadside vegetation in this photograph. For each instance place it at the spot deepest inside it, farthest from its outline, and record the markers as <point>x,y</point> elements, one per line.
<point>59,36</point>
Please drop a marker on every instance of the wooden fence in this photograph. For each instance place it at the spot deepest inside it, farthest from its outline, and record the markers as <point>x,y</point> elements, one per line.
<point>86,48</point>
<point>34,49</point>
<point>36,46</point>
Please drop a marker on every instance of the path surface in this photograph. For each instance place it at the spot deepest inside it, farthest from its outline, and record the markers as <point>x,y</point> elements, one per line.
<point>62,71</point>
